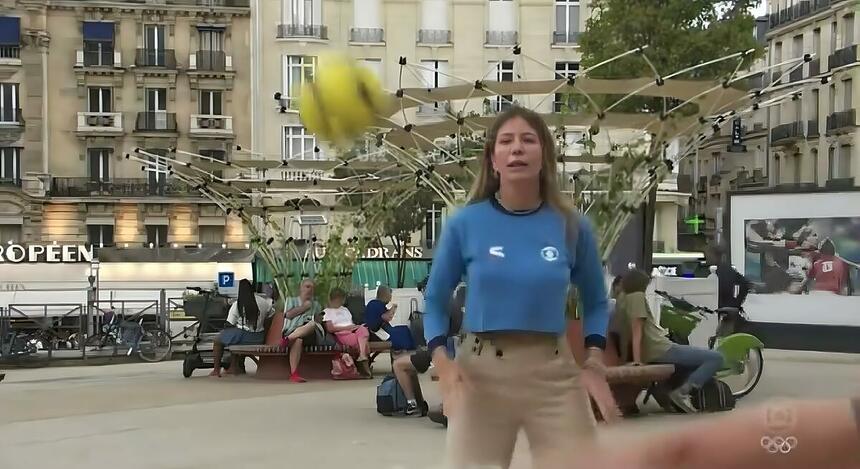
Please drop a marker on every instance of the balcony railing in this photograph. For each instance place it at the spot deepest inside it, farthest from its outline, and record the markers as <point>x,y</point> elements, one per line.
<point>106,57</point>
<point>814,67</point>
<point>10,182</point>
<point>501,38</point>
<point>786,132</point>
<point>11,115</point>
<point>841,120</point>
<point>138,187</point>
<point>566,37</point>
<point>210,61</point>
<point>434,36</point>
<point>367,35</point>
<point>100,122</point>
<point>162,58</point>
<point>844,56</point>
<point>10,52</point>
<point>210,124</point>
<point>812,128</point>
<point>819,4</point>
<point>795,75</point>
<point>156,121</point>
<point>796,12</point>
<point>303,30</point>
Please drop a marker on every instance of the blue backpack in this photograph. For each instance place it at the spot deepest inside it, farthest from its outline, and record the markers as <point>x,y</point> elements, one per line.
<point>390,399</point>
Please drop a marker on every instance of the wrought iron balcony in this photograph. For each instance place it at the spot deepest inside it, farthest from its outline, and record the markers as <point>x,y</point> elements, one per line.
<point>10,182</point>
<point>11,52</point>
<point>795,75</point>
<point>841,120</point>
<point>434,36</point>
<point>130,187</point>
<point>501,38</point>
<point>814,67</point>
<point>566,37</point>
<point>155,121</point>
<point>161,58</point>
<point>367,35</point>
<point>812,128</point>
<point>210,61</point>
<point>302,30</point>
<point>211,125</point>
<point>100,123</point>
<point>786,133</point>
<point>844,56</point>
<point>11,116</point>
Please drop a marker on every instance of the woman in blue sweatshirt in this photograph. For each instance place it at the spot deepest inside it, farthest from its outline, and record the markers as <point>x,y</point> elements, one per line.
<point>518,246</point>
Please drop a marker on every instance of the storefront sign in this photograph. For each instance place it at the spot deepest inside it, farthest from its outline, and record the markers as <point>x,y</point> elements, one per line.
<point>385,252</point>
<point>52,253</point>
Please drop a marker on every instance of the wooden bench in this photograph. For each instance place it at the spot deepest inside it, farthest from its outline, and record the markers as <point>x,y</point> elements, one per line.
<point>273,363</point>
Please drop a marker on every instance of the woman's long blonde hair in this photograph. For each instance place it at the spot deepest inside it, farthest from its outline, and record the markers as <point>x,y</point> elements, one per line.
<point>487,184</point>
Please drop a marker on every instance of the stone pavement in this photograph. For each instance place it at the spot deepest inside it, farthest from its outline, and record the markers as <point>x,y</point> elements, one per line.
<point>148,416</point>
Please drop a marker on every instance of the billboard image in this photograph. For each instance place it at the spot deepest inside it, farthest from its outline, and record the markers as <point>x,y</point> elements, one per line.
<point>803,255</point>
<point>801,252</point>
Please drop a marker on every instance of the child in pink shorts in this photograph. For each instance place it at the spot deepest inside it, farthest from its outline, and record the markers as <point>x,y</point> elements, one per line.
<point>338,321</point>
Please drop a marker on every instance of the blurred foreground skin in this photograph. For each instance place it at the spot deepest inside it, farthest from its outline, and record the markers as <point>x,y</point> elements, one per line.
<point>825,435</point>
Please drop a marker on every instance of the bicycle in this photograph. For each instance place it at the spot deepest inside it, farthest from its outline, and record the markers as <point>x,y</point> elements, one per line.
<point>151,345</point>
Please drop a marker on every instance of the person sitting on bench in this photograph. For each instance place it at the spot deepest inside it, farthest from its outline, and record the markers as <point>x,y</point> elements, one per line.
<point>377,314</point>
<point>248,317</point>
<point>299,325</point>
<point>338,321</point>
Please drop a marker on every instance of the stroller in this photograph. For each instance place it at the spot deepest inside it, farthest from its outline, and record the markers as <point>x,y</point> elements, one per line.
<point>210,309</point>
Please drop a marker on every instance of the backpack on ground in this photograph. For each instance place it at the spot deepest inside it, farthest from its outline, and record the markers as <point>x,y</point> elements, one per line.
<point>714,396</point>
<point>390,399</point>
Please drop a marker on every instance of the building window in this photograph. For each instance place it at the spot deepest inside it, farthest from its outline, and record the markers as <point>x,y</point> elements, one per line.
<point>833,43</point>
<point>98,44</point>
<point>433,226</point>
<point>9,103</point>
<point>832,98</point>
<point>299,144</point>
<point>298,69</point>
<point>156,235</point>
<point>211,234</point>
<point>302,12</point>
<point>816,42</point>
<point>504,72</point>
<point>210,102</point>
<point>100,99</point>
<point>155,117</point>
<point>219,155</point>
<point>10,166</point>
<point>797,45</point>
<point>211,39</point>
<point>831,163</point>
<point>99,164</point>
<point>10,233</point>
<point>777,177</point>
<point>433,75</point>
<point>10,37</point>
<point>563,101</point>
<point>848,95</point>
<point>100,235</point>
<point>566,22</point>
<point>798,160</point>
<point>157,177</point>
<point>815,167</point>
<point>848,31</point>
<point>210,55</point>
<point>813,107</point>
<point>844,162</point>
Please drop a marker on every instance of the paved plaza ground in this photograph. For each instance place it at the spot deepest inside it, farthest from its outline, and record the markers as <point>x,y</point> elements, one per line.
<point>148,416</point>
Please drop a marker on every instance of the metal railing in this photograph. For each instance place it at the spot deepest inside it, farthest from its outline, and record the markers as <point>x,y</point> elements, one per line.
<point>501,38</point>
<point>795,75</point>
<point>434,36</point>
<point>841,120</point>
<point>842,57</point>
<point>814,67</point>
<point>367,35</point>
<point>566,37</point>
<point>13,182</point>
<point>303,30</point>
<point>211,60</point>
<point>162,58</point>
<point>785,132</point>
<point>11,115</point>
<point>812,128</point>
<point>121,187</point>
<point>155,121</point>
<point>10,52</point>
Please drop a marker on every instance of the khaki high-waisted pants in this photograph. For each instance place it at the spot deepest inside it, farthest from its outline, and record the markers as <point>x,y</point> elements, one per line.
<point>514,381</point>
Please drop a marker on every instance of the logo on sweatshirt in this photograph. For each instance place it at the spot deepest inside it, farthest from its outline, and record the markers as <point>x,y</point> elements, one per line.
<point>549,254</point>
<point>498,251</point>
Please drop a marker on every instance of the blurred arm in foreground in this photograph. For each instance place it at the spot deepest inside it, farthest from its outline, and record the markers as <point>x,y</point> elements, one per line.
<point>783,434</point>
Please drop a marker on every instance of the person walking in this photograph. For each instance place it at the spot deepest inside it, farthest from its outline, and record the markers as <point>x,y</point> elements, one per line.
<point>519,246</point>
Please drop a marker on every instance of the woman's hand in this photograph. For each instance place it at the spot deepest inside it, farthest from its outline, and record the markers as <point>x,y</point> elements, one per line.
<point>451,381</point>
<point>594,380</point>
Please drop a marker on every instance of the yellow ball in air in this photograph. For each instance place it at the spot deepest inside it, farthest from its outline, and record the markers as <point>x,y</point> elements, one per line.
<point>342,101</point>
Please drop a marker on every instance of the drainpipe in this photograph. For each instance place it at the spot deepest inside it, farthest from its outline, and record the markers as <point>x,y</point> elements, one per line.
<point>255,74</point>
<point>43,46</point>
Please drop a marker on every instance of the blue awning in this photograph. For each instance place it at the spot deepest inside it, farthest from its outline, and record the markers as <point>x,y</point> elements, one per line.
<point>98,31</point>
<point>10,30</point>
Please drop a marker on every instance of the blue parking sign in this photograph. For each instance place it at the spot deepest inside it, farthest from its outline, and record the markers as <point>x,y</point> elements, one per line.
<point>226,279</point>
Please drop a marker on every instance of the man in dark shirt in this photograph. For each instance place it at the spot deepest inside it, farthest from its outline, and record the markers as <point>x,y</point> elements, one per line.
<point>733,287</point>
<point>377,315</point>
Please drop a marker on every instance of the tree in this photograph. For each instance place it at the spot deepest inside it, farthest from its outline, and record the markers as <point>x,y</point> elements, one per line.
<point>403,213</point>
<point>678,33</point>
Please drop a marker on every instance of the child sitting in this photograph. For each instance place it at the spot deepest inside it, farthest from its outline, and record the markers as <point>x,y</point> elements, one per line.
<point>338,321</point>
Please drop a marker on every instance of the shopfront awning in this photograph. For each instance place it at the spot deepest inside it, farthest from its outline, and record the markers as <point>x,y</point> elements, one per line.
<point>204,254</point>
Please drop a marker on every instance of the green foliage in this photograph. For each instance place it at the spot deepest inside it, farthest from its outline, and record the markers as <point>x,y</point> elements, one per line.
<point>402,213</point>
<point>679,34</point>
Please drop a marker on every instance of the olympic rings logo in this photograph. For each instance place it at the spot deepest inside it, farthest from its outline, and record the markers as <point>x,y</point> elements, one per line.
<point>778,444</point>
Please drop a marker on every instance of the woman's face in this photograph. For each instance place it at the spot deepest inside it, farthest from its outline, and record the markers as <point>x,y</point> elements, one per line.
<point>517,153</point>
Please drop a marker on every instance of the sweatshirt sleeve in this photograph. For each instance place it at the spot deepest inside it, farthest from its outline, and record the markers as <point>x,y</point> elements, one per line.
<point>445,274</point>
<point>587,275</point>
